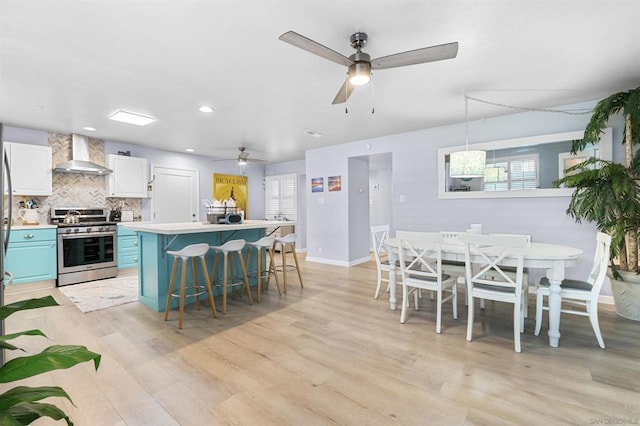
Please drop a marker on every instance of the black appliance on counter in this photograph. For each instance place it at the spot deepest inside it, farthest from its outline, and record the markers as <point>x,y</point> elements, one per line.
<point>87,248</point>
<point>116,215</point>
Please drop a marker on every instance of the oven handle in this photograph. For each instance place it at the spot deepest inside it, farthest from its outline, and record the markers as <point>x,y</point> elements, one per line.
<point>87,234</point>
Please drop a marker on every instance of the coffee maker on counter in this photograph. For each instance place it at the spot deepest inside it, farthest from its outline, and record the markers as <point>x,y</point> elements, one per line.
<point>115,215</point>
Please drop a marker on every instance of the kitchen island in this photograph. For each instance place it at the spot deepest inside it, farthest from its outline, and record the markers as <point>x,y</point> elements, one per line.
<point>154,239</point>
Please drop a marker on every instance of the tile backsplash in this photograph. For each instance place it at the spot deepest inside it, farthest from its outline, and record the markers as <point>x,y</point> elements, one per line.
<point>75,190</point>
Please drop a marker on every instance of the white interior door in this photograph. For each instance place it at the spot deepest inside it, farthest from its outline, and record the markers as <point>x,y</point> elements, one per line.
<point>175,195</point>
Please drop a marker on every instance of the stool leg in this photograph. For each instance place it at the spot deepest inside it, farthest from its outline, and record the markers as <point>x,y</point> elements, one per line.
<point>214,268</point>
<point>283,251</point>
<point>172,282</point>
<point>295,258</point>
<point>259,278</point>
<point>183,288</point>
<point>245,279</point>
<point>208,285</point>
<point>224,284</point>
<point>248,258</point>
<point>195,282</point>
<point>272,268</point>
<point>233,276</point>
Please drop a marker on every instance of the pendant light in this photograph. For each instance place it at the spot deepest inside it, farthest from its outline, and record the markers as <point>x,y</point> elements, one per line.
<point>467,164</point>
<point>494,173</point>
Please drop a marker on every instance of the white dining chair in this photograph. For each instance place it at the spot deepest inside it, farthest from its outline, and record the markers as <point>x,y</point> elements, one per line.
<point>420,255</point>
<point>486,279</point>
<point>580,294</point>
<point>525,277</point>
<point>454,267</point>
<point>379,237</point>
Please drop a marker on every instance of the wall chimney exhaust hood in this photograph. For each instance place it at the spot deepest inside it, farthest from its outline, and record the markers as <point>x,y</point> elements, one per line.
<point>80,159</point>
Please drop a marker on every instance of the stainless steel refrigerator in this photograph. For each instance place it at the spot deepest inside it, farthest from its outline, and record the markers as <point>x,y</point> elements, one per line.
<point>5,230</point>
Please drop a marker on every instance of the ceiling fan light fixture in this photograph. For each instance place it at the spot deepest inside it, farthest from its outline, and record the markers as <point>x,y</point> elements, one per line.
<point>360,73</point>
<point>242,161</point>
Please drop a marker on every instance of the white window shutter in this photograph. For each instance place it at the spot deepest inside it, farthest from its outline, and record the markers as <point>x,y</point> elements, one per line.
<point>281,196</point>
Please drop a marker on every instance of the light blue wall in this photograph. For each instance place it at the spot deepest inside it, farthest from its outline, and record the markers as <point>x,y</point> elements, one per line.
<point>415,180</point>
<point>21,135</point>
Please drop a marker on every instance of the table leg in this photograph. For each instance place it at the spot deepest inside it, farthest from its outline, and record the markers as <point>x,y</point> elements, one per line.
<point>392,280</point>
<point>555,275</point>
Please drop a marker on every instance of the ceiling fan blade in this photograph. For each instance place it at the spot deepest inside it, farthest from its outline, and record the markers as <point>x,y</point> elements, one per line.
<point>316,48</point>
<point>343,94</point>
<point>418,56</point>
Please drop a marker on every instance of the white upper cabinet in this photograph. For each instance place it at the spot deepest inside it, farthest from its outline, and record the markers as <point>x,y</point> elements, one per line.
<point>31,171</point>
<point>129,177</point>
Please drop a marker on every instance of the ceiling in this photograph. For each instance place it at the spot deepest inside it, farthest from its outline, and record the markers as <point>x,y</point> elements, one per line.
<point>69,64</point>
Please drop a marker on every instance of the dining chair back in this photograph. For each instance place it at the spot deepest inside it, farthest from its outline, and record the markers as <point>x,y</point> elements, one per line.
<point>379,237</point>
<point>488,279</point>
<point>454,267</point>
<point>580,294</point>
<point>525,277</point>
<point>420,255</point>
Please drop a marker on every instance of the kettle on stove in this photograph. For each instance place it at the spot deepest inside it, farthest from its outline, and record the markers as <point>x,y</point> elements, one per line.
<point>115,215</point>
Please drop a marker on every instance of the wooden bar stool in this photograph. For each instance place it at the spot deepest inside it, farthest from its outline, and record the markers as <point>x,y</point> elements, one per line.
<point>261,273</point>
<point>287,240</point>
<point>228,250</point>
<point>189,252</point>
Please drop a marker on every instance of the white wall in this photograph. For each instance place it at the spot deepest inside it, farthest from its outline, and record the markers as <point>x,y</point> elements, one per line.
<point>358,210</point>
<point>415,180</point>
<point>207,168</point>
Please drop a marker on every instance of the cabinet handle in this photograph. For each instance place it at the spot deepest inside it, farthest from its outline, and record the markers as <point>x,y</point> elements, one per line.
<point>28,236</point>
<point>135,243</point>
<point>135,259</point>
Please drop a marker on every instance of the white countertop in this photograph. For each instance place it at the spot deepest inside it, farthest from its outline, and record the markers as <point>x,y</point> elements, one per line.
<point>19,227</point>
<point>196,227</point>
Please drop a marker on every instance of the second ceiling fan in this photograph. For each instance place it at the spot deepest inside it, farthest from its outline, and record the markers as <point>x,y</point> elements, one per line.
<point>360,63</point>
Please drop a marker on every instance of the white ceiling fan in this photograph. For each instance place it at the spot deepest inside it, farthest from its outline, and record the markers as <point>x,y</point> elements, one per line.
<point>243,157</point>
<point>360,64</point>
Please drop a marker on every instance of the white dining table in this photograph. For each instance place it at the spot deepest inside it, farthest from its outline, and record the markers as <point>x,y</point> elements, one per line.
<point>551,257</point>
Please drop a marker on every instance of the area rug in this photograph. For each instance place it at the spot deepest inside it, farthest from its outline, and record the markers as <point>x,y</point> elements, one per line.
<point>103,294</point>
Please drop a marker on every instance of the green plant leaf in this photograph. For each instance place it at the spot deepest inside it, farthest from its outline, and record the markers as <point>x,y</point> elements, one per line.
<point>21,394</point>
<point>24,305</point>
<point>27,412</point>
<point>6,419</point>
<point>3,339</point>
<point>52,358</point>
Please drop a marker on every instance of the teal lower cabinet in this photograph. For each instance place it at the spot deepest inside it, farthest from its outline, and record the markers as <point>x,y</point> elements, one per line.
<point>31,255</point>
<point>128,254</point>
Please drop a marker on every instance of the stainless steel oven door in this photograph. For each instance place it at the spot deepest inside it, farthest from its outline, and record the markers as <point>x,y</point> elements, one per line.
<point>85,251</point>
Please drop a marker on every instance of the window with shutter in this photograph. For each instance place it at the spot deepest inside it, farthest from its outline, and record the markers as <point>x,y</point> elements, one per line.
<point>521,173</point>
<point>281,197</point>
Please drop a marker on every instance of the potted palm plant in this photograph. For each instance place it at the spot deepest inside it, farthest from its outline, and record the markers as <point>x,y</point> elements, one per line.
<point>22,405</point>
<point>608,194</point>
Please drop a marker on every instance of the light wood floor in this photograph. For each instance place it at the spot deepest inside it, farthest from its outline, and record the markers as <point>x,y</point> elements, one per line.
<point>331,354</point>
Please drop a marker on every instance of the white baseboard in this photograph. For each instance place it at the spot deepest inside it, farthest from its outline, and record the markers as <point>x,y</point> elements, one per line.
<point>29,287</point>
<point>337,262</point>
<point>606,300</point>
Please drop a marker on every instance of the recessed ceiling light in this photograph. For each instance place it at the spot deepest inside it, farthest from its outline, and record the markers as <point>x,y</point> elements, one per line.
<point>132,118</point>
<point>189,149</point>
<point>205,108</point>
<point>89,128</point>
<point>312,133</point>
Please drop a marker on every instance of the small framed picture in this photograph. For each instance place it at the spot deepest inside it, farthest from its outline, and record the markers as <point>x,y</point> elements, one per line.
<point>334,183</point>
<point>317,184</point>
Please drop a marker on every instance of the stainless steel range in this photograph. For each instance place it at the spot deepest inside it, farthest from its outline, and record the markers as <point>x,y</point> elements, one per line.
<point>87,244</point>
